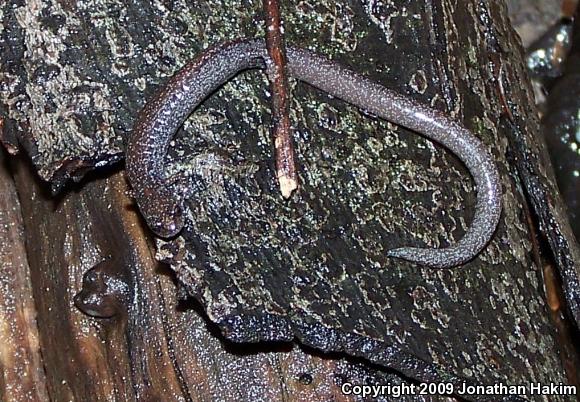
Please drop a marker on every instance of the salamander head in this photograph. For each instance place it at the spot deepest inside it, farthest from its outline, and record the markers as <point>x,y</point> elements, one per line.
<point>162,211</point>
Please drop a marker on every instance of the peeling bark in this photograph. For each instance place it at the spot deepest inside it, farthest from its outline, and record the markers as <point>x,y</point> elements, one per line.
<point>260,268</point>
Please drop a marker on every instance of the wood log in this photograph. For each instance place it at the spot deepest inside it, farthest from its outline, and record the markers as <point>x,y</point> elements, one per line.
<point>251,266</point>
<point>21,365</point>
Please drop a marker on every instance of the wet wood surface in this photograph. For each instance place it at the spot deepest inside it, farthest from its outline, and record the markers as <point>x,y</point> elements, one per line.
<point>71,103</point>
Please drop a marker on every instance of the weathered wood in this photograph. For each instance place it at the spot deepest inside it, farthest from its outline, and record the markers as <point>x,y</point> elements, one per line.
<point>21,372</point>
<point>260,267</point>
<point>157,348</point>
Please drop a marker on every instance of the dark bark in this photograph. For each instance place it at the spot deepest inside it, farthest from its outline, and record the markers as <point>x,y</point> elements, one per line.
<point>260,267</point>
<point>156,348</point>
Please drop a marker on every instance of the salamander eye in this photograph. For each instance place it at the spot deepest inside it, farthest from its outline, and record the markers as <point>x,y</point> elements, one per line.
<point>166,219</point>
<point>166,228</point>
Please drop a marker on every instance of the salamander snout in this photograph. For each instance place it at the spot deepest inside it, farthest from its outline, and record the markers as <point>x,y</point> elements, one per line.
<point>167,228</point>
<point>162,212</point>
<point>168,223</point>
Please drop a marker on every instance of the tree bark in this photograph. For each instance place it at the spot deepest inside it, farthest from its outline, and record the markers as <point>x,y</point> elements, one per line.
<point>250,266</point>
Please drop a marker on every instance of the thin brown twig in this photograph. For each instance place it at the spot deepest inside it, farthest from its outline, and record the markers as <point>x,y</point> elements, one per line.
<point>569,8</point>
<point>499,72</point>
<point>285,160</point>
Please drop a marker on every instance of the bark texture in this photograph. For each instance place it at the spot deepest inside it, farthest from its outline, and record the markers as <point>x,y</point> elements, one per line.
<point>252,266</point>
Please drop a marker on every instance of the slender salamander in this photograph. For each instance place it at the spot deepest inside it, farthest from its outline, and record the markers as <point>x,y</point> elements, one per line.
<point>166,111</point>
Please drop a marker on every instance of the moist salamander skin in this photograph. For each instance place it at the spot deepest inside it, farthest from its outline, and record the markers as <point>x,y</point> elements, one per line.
<point>166,111</point>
